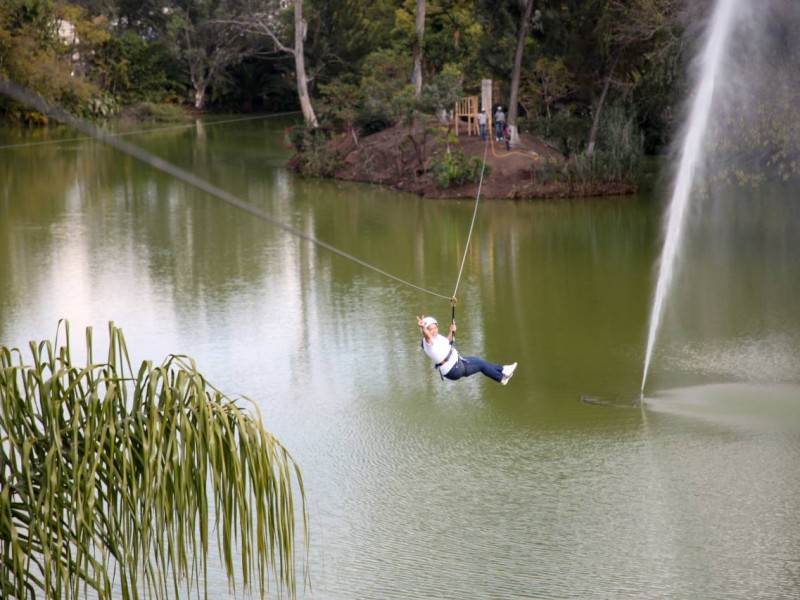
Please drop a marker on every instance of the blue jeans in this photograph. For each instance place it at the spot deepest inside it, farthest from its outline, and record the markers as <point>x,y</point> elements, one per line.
<point>483,131</point>
<point>469,365</point>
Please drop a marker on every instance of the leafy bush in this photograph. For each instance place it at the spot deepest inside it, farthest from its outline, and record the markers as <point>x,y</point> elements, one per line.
<point>565,130</point>
<point>340,101</point>
<point>387,96</point>
<point>135,70</point>
<point>104,106</point>
<point>443,91</point>
<point>33,56</point>
<point>157,112</point>
<point>456,168</point>
<point>617,158</point>
<point>314,153</point>
<point>372,122</point>
<point>757,140</point>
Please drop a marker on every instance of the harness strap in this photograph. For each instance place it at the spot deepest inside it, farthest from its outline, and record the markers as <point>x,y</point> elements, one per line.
<point>446,358</point>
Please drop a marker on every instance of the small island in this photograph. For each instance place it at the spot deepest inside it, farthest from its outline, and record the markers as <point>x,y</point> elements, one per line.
<point>401,157</point>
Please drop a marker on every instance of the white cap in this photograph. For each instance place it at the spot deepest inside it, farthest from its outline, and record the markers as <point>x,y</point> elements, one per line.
<point>428,321</point>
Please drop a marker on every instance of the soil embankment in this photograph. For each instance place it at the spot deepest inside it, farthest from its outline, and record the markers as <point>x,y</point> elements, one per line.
<point>399,157</point>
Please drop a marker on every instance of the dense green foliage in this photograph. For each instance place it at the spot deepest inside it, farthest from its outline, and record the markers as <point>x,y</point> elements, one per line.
<point>115,481</point>
<point>619,157</point>
<point>314,154</point>
<point>139,52</point>
<point>583,62</point>
<point>455,168</point>
<point>36,54</point>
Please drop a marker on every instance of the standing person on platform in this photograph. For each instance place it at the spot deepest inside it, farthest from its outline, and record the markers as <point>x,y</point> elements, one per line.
<point>499,123</point>
<point>482,123</point>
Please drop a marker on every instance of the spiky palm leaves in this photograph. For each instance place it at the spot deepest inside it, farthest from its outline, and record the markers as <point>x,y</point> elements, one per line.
<point>114,482</point>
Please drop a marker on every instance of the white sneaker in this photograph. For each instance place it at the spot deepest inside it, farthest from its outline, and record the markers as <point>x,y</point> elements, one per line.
<point>508,371</point>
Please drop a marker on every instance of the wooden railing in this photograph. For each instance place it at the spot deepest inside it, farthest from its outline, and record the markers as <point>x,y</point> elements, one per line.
<point>468,107</point>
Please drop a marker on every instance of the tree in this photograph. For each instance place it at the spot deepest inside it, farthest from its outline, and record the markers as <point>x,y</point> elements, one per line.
<point>106,473</point>
<point>340,34</point>
<point>452,33</point>
<point>300,65</point>
<point>385,88</point>
<point>133,69</point>
<point>516,72</point>
<point>207,45</point>
<point>416,75</point>
<point>545,83</point>
<point>262,17</point>
<point>442,92</point>
<point>341,104</point>
<point>755,123</point>
<point>35,53</point>
<point>637,29</point>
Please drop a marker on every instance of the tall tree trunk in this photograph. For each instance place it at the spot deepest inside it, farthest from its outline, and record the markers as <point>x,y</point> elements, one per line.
<point>516,73</point>
<point>199,95</point>
<point>300,65</point>
<point>200,79</point>
<point>600,104</point>
<point>416,75</point>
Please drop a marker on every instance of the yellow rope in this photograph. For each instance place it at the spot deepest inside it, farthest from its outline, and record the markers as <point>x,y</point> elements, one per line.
<point>531,155</point>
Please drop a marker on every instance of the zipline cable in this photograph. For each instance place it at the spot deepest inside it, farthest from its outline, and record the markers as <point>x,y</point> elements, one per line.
<point>151,130</point>
<point>16,92</point>
<point>453,298</point>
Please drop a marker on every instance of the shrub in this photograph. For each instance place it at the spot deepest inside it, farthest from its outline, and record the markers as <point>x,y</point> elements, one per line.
<point>314,153</point>
<point>373,121</point>
<point>157,112</point>
<point>455,168</point>
<point>617,158</point>
<point>340,102</point>
<point>442,92</point>
<point>387,96</point>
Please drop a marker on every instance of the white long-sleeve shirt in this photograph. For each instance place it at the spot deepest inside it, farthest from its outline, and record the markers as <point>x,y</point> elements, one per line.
<point>438,350</point>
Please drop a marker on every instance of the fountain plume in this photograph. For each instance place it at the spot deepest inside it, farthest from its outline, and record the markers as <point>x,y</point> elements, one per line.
<point>711,61</point>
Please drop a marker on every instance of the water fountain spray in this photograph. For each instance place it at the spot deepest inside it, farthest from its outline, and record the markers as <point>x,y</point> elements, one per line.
<point>718,34</point>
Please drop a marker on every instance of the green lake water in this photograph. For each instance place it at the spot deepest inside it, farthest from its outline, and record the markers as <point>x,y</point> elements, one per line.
<point>419,488</point>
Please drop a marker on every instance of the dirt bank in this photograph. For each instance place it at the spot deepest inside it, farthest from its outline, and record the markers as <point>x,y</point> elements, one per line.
<point>399,156</point>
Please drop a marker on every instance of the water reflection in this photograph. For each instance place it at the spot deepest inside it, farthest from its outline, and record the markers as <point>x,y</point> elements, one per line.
<point>772,407</point>
<point>420,488</point>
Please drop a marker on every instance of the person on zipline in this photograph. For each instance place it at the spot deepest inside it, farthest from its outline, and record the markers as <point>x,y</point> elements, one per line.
<point>442,351</point>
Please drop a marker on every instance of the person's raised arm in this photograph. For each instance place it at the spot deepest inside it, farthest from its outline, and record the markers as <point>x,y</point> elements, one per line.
<point>452,331</point>
<point>425,333</point>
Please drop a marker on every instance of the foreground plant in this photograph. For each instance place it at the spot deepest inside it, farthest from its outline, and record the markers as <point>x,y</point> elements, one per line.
<point>112,481</point>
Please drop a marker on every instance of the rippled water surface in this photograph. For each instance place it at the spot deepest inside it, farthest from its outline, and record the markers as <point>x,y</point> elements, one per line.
<point>419,488</point>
